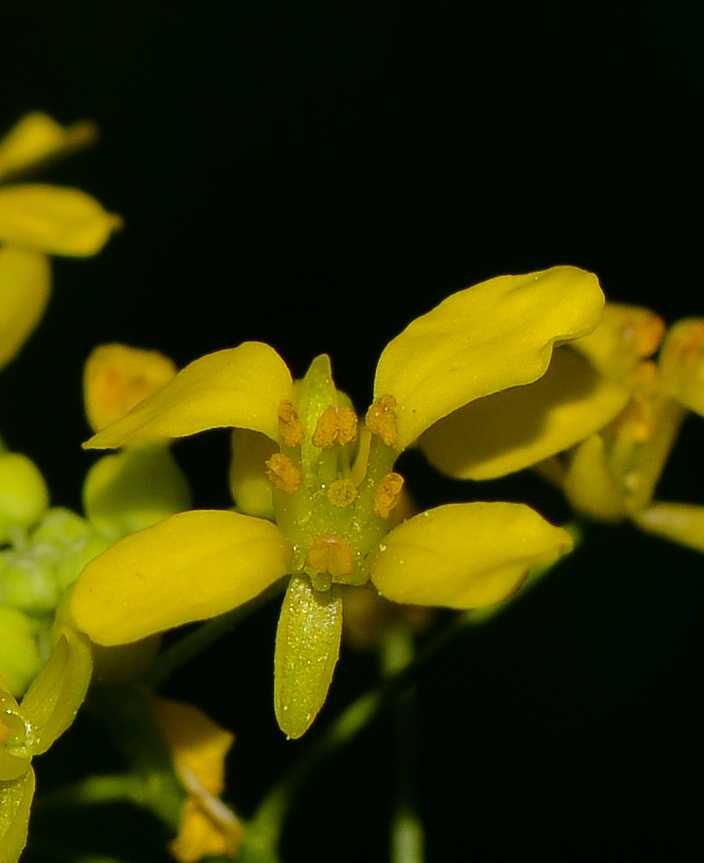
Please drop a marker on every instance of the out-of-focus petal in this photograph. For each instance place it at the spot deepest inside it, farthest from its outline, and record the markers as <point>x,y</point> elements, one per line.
<point>250,486</point>
<point>680,522</point>
<point>15,802</point>
<point>682,364</point>
<point>307,646</point>
<point>191,566</point>
<point>625,335</point>
<point>51,703</point>
<point>117,377</point>
<point>198,747</point>
<point>519,427</point>
<point>241,387</point>
<point>468,555</point>
<point>54,220</point>
<point>36,138</point>
<point>482,340</point>
<point>590,486</point>
<point>25,282</point>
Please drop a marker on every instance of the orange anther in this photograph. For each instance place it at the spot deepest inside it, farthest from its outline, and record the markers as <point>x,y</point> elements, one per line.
<point>337,425</point>
<point>290,426</point>
<point>381,419</point>
<point>283,473</point>
<point>331,553</point>
<point>387,494</point>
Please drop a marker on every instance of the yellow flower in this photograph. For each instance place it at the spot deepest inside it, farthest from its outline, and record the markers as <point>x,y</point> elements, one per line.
<point>29,728</point>
<point>39,220</point>
<point>330,484</point>
<point>612,474</point>
<point>199,746</point>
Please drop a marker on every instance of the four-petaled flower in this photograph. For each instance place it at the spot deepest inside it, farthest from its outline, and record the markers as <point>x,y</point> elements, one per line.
<point>326,481</point>
<point>37,220</point>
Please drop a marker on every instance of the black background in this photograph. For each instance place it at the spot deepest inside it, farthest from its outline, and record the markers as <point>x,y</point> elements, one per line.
<point>315,174</point>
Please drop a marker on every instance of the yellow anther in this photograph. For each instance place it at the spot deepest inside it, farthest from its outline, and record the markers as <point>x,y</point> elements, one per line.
<point>342,492</point>
<point>283,473</point>
<point>331,553</point>
<point>337,425</point>
<point>290,426</point>
<point>381,419</point>
<point>387,494</point>
<point>5,731</point>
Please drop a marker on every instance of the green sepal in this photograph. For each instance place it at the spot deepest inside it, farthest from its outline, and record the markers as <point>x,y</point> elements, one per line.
<point>307,646</point>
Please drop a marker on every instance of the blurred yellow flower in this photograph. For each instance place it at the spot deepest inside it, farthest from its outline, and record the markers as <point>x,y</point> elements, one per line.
<point>30,727</point>
<point>612,475</point>
<point>39,220</point>
<point>327,483</point>
<point>198,747</point>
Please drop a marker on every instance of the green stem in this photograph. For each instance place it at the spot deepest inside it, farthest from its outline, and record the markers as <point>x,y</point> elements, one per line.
<point>407,836</point>
<point>95,790</point>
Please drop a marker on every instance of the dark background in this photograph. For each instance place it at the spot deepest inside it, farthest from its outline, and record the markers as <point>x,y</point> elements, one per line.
<point>315,174</point>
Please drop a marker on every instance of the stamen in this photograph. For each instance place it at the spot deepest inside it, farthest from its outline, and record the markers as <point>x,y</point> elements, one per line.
<point>381,419</point>
<point>331,553</point>
<point>387,494</point>
<point>290,426</point>
<point>283,473</point>
<point>337,425</point>
<point>342,492</point>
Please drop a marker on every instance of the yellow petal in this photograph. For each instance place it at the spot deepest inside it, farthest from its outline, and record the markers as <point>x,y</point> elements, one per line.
<point>467,555</point>
<point>482,340</point>
<point>25,282</point>
<point>37,138</point>
<point>188,567</point>
<point>51,703</point>
<point>307,646</point>
<point>682,364</point>
<point>117,377</point>
<point>679,522</point>
<point>241,387</point>
<point>519,427</point>
<point>54,220</point>
<point>15,802</point>
<point>195,741</point>
<point>590,486</point>
<point>625,335</point>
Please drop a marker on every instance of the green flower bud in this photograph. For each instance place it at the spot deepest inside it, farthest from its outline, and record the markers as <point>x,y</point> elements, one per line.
<point>28,582</point>
<point>20,660</point>
<point>135,489</point>
<point>23,493</point>
<point>75,558</point>
<point>60,528</point>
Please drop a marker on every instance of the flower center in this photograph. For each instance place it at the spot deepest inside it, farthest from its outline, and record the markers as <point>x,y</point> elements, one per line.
<point>333,489</point>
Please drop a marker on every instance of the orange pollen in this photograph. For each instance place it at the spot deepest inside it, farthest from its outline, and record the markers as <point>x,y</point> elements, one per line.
<point>337,425</point>
<point>381,419</point>
<point>5,731</point>
<point>342,492</point>
<point>331,553</point>
<point>387,494</point>
<point>283,473</point>
<point>290,426</point>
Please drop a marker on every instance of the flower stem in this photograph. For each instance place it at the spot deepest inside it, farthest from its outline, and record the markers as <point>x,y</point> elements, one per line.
<point>407,836</point>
